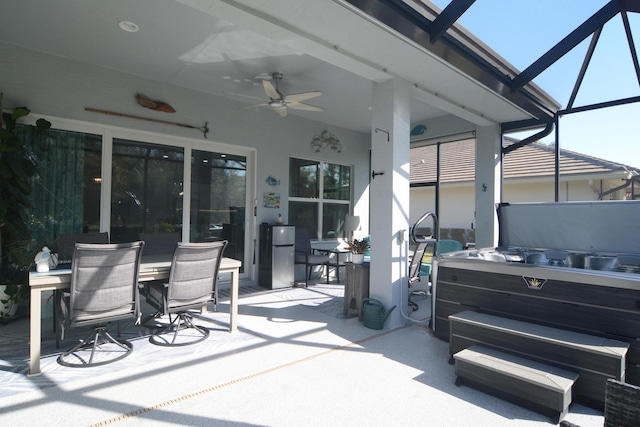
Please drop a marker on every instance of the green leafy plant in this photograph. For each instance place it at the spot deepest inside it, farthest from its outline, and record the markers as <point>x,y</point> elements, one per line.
<point>359,246</point>
<point>17,166</point>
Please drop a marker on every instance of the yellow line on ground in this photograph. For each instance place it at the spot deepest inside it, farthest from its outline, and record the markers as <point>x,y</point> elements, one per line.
<point>238,380</point>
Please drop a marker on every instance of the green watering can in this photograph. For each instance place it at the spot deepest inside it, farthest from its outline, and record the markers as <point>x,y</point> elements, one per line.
<point>374,314</point>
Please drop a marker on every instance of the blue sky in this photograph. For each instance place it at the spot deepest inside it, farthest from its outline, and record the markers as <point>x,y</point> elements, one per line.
<point>523,30</point>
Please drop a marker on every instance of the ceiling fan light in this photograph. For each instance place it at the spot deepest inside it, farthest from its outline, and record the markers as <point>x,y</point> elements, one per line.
<point>276,104</point>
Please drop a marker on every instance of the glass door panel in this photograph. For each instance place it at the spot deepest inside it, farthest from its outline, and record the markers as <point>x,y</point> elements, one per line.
<point>218,195</point>
<point>147,194</point>
<point>66,190</point>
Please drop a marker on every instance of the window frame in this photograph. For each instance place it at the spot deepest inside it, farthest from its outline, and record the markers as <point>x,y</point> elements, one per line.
<point>321,201</point>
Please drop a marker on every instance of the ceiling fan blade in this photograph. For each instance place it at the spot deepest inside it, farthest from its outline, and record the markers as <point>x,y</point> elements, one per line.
<point>299,97</point>
<point>264,76</point>
<point>305,107</point>
<point>270,90</point>
<point>245,96</point>
<point>282,111</point>
<point>254,106</point>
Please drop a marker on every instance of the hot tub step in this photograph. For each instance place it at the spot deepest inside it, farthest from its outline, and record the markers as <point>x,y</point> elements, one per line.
<point>542,388</point>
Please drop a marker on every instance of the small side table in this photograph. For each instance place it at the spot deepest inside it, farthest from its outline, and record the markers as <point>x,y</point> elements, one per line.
<point>335,261</point>
<point>356,288</point>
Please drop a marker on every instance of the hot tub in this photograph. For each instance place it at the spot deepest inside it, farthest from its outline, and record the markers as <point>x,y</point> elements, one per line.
<point>593,288</point>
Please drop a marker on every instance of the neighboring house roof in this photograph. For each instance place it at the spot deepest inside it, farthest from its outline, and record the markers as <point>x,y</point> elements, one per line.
<point>535,160</point>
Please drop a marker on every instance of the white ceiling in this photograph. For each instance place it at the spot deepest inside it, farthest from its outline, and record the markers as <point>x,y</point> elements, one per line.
<point>218,47</point>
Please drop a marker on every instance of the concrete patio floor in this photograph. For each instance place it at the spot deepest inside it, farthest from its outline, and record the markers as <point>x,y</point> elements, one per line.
<point>295,360</point>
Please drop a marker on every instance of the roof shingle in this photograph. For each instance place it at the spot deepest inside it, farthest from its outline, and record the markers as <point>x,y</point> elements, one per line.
<point>535,160</point>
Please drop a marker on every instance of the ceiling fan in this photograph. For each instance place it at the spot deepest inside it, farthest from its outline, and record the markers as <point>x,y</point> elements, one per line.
<point>279,102</point>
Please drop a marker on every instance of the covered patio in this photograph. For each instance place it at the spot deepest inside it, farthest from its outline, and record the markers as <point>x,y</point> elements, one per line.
<point>294,361</point>
<point>264,92</point>
<point>106,75</point>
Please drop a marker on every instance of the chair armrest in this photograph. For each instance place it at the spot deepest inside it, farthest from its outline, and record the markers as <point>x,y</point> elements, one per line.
<point>306,255</point>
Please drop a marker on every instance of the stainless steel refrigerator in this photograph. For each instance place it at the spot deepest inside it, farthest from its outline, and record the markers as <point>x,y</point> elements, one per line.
<point>277,256</point>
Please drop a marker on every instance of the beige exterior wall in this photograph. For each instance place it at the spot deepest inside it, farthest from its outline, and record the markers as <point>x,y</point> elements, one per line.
<point>456,205</point>
<point>544,191</point>
<point>457,201</point>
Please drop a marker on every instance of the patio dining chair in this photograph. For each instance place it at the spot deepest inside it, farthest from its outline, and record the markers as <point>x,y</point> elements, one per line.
<point>160,243</point>
<point>104,288</point>
<point>621,405</point>
<point>192,284</point>
<point>442,247</point>
<point>64,245</point>
<point>304,254</point>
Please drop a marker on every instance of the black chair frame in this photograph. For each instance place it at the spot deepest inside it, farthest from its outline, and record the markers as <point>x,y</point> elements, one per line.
<point>160,295</point>
<point>74,313</point>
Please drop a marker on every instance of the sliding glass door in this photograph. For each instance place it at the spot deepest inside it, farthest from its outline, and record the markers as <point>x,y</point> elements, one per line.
<point>145,188</point>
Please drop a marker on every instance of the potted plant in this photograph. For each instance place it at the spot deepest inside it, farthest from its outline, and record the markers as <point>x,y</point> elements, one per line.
<point>358,248</point>
<point>17,167</point>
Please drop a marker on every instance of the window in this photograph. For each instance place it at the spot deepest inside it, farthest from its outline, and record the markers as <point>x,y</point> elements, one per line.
<point>319,197</point>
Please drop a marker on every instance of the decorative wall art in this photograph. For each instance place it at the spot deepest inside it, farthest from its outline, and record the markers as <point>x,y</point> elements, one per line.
<point>204,129</point>
<point>271,200</point>
<point>325,140</point>
<point>418,130</point>
<point>272,181</point>
<point>154,105</point>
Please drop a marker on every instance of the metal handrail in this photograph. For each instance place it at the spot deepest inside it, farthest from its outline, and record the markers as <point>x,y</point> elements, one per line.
<point>425,239</point>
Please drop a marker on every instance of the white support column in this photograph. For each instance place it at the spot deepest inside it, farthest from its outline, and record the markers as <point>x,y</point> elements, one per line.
<point>488,184</point>
<point>389,196</point>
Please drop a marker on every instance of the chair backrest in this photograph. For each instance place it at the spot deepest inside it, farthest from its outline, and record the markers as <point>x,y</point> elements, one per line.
<point>445,245</point>
<point>160,243</point>
<point>303,241</point>
<point>194,274</point>
<point>65,244</point>
<point>104,282</point>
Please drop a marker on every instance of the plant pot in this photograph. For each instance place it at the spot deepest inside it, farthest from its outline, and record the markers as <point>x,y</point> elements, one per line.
<point>8,309</point>
<point>357,258</point>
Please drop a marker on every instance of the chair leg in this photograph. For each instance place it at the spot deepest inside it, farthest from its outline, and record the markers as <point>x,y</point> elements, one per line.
<point>98,337</point>
<point>182,321</point>
<point>59,317</point>
<point>54,296</point>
